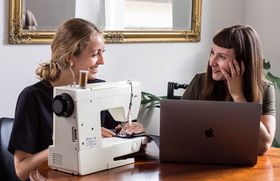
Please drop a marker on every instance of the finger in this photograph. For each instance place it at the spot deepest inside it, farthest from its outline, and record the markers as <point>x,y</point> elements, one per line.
<point>139,130</point>
<point>118,128</point>
<point>232,69</point>
<point>106,132</point>
<point>242,67</point>
<point>123,130</point>
<point>132,126</point>
<point>129,129</point>
<point>236,66</point>
<point>109,134</point>
<point>225,74</point>
<point>135,128</point>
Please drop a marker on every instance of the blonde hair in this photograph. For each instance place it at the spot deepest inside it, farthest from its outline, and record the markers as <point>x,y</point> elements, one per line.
<point>247,48</point>
<point>70,39</point>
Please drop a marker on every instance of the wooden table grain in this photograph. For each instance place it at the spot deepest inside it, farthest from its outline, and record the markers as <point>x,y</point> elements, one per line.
<point>148,167</point>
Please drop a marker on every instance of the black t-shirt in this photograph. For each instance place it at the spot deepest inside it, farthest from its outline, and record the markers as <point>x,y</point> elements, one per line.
<point>33,124</point>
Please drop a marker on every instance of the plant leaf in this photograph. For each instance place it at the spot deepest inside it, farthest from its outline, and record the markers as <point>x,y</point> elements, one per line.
<point>157,105</point>
<point>150,100</point>
<point>266,64</point>
<point>275,143</point>
<point>275,80</point>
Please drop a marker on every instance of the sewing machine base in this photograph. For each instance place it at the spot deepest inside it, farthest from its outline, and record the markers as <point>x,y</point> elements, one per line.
<point>98,159</point>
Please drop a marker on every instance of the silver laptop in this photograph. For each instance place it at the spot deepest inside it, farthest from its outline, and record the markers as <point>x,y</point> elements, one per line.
<point>215,132</point>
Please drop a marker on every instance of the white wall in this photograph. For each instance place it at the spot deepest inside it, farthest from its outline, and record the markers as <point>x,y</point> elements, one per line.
<point>154,64</point>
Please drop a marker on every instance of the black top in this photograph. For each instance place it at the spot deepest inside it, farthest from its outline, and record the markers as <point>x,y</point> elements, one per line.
<point>193,92</point>
<point>33,124</point>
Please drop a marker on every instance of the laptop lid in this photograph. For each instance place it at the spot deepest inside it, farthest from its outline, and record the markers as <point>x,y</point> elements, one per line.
<point>217,132</point>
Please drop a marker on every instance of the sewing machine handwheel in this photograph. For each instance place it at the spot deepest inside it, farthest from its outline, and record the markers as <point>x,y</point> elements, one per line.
<point>63,105</point>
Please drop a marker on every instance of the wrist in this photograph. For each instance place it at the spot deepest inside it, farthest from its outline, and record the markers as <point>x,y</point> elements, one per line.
<point>239,99</point>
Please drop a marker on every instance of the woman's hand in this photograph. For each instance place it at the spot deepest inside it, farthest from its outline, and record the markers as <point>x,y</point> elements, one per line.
<point>135,127</point>
<point>106,132</point>
<point>235,80</point>
<point>26,163</point>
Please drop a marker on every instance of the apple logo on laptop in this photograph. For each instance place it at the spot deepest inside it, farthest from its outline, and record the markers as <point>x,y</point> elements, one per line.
<point>209,132</point>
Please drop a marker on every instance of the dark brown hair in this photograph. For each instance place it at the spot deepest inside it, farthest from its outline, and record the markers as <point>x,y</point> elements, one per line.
<point>247,48</point>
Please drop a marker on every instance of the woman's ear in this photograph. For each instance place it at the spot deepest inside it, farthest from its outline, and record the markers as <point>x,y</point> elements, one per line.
<point>69,60</point>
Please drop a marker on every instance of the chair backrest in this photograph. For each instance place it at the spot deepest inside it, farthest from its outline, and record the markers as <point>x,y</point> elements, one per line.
<point>7,168</point>
<point>170,89</point>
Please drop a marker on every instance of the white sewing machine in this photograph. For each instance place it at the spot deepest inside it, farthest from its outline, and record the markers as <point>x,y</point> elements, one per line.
<point>78,146</point>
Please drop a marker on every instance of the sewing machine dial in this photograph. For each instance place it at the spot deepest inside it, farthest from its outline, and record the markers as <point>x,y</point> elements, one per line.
<point>63,105</point>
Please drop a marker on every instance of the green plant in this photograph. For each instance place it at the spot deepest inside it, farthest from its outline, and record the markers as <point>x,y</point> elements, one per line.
<point>276,81</point>
<point>150,100</point>
<point>275,143</point>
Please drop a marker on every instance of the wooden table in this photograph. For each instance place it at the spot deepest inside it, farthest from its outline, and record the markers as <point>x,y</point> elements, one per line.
<point>147,167</point>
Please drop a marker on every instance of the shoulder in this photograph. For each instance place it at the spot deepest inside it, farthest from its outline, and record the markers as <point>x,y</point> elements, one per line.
<point>37,88</point>
<point>268,84</point>
<point>268,89</point>
<point>199,77</point>
<point>36,92</point>
<point>268,101</point>
<point>194,88</point>
<point>29,90</point>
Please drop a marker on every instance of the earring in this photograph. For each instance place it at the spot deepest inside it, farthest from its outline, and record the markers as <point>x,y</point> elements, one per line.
<point>71,64</point>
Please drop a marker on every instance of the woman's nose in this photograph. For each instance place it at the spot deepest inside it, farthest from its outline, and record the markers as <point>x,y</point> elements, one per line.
<point>101,59</point>
<point>212,61</point>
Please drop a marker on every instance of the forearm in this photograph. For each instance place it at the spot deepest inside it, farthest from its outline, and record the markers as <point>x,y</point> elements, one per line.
<point>267,128</point>
<point>239,98</point>
<point>265,139</point>
<point>25,164</point>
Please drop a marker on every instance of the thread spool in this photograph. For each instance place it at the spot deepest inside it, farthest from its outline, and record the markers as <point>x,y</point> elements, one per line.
<point>83,78</point>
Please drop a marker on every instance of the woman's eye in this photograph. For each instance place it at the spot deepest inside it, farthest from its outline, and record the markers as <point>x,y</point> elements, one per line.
<point>222,57</point>
<point>98,52</point>
<point>95,53</point>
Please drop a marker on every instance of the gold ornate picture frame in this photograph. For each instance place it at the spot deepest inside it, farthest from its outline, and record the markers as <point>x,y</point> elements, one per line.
<point>17,35</point>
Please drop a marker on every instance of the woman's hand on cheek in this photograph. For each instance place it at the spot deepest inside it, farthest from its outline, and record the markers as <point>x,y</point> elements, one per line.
<point>235,80</point>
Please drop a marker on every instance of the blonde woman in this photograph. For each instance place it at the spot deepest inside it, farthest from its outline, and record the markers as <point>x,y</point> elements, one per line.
<point>78,45</point>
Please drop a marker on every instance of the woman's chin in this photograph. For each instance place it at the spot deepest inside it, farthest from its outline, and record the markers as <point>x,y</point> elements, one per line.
<point>217,77</point>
